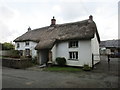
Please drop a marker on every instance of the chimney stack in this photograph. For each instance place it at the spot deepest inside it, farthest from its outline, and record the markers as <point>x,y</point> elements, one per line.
<point>29,29</point>
<point>91,17</point>
<point>53,21</point>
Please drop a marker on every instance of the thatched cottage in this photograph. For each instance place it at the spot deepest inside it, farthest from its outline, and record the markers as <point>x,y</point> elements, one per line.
<point>77,42</point>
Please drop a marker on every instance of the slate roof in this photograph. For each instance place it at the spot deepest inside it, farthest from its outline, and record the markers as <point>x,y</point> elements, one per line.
<point>47,36</point>
<point>110,43</point>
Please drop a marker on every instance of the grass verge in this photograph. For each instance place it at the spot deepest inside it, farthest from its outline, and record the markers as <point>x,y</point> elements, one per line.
<point>63,69</point>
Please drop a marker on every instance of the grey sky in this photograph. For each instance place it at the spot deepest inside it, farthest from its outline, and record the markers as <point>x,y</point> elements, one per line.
<point>18,15</point>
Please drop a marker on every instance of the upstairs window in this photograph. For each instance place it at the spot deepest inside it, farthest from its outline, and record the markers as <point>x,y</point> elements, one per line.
<point>18,45</point>
<point>73,44</point>
<point>73,55</point>
<point>27,43</point>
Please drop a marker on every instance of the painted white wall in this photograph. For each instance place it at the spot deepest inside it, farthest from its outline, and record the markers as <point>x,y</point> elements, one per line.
<point>95,49</point>
<point>31,47</point>
<point>84,52</point>
<point>54,55</point>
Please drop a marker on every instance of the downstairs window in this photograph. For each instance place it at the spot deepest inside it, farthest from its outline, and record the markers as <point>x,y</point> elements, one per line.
<point>73,55</point>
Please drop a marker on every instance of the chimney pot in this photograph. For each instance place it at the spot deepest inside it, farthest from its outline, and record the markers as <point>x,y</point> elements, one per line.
<point>53,21</point>
<point>29,29</point>
<point>91,17</point>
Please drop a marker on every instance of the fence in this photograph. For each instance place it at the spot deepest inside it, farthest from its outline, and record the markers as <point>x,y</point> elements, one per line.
<point>10,53</point>
<point>95,59</point>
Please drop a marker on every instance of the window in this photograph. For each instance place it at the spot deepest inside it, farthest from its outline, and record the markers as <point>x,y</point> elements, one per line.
<point>73,44</point>
<point>21,52</point>
<point>18,45</point>
<point>73,55</point>
<point>27,43</point>
<point>27,52</point>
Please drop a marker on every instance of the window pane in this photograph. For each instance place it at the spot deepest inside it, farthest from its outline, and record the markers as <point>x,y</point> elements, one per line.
<point>73,55</point>
<point>76,55</point>
<point>70,55</point>
<point>76,43</point>
<point>18,45</point>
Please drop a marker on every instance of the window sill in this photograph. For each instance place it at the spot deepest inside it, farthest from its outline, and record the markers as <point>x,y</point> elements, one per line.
<point>74,59</point>
<point>73,47</point>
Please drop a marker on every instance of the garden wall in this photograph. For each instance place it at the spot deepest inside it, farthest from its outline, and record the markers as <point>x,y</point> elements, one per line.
<point>16,63</point>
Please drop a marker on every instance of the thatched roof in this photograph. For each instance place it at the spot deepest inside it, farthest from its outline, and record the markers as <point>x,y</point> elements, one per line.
<point>47,36</point>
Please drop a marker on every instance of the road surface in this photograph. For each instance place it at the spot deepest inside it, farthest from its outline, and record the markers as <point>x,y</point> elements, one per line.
<point>103,76</point>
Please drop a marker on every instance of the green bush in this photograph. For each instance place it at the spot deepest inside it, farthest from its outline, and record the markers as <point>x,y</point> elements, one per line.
<point>86,67</point>
<point>7,46</point>
<point>61,61</point>
<point>34,60</point>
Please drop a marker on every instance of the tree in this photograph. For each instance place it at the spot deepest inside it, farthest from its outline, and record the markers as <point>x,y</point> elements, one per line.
<point>7,46</point>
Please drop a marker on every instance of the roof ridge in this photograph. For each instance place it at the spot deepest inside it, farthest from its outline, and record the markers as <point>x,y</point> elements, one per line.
<point>62,24</point>
<point>73,22</point>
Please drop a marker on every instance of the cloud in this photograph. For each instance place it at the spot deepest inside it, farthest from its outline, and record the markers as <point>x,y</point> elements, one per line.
<point>106,18</point>
<point>18,15</point>
<point>6,15</point>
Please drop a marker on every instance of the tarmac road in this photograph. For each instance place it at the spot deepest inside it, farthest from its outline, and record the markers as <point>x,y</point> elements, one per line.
<point>100,77</point>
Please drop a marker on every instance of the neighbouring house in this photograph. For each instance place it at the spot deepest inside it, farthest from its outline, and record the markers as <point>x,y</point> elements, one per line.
<point>110,47</point>
<point>78,42</point>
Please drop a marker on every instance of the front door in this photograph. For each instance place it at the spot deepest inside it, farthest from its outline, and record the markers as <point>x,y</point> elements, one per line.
<point>43,56</point>
<point>27,52</point>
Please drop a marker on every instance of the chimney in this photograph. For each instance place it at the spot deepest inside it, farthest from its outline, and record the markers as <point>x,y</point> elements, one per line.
<point>91,17</point>
<point>29,29</point>
<point>53,21</point>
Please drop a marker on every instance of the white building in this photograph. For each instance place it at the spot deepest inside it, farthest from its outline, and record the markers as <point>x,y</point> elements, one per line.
<point>78,42</point>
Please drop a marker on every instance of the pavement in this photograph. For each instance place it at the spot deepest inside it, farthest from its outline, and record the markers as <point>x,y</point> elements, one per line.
<point>104,75</point>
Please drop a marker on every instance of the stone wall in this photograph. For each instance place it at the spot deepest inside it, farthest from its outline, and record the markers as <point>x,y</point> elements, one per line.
<point>16,63</point>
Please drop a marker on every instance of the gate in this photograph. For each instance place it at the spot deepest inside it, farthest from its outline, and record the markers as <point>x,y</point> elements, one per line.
<point>95,59</point>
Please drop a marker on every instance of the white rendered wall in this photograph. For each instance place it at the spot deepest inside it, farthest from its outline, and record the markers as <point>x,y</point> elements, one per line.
<point>31,46</point>
<point>54,55</point>
<point>84,53</point>
<point>95,49</point>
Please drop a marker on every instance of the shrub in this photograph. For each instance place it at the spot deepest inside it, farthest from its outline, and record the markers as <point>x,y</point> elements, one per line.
<point>15,54</point>
<point>86,67</point>
<point>8,46</point>
<point>61,61</point>
<point>34,60</point>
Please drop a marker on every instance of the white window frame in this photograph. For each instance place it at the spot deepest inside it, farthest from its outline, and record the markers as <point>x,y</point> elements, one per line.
<point>73,44</point>
<point>73,55</point>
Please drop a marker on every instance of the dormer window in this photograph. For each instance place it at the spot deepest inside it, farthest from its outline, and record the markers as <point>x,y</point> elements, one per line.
<point>73,44</point>
<point>27,43</point>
